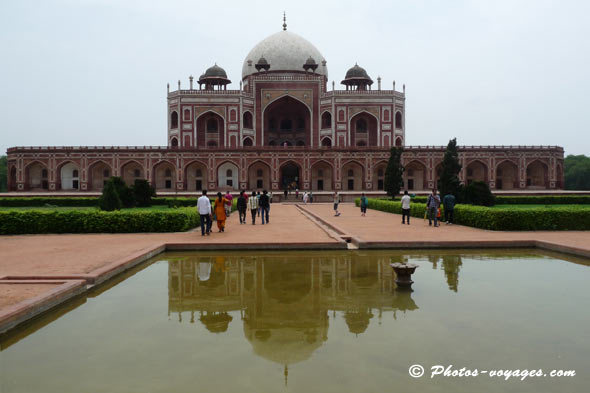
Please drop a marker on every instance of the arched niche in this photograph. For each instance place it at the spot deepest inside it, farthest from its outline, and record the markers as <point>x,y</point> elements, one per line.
<point>227,176</point>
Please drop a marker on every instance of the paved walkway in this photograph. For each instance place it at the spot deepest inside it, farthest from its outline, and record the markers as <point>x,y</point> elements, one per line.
<point>380,228</point>
<point>40,271</point>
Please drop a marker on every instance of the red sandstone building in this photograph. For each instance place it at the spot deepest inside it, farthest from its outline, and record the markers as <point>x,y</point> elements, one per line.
<point>282,128</point>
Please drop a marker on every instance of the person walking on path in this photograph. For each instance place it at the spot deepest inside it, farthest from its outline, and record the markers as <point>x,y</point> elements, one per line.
<point>220,204</point>
<point>310,197</point>
<point>258,203</point>
<point>364,204</point>
<point>204,209</point>
<point>264,205</point>
<point>406,207</point>
<point>336,202</point>
<point>230,198</point>
<point>286,194</point>
<point>449,205</point>
<point>433,203</point>
<point>297,193</point>
<point>305,197</point>
<point>253,206</point>
<point>242,205</point>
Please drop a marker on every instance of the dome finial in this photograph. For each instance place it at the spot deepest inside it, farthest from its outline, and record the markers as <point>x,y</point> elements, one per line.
<point>284,20</point>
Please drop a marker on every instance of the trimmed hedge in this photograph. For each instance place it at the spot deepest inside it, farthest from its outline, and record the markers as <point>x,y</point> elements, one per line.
<point>53,201</point>
<point>94,221</point>
<point>501,219</point>
<point>543,200</point>
<point>86,201</point>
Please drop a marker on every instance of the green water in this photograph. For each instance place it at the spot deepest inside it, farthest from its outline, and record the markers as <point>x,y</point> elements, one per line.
<point>313,322</point>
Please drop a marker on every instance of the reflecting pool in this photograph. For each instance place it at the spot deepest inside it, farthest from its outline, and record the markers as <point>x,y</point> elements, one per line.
<point>313,322</point>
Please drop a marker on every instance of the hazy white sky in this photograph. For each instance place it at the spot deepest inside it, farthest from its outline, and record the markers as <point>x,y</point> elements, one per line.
<point>94,72</point>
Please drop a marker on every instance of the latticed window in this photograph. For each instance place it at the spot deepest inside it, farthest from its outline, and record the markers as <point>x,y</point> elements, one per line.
<point>174,120</point>
<point>198,173</point>
<point>211,125</point>
<point>398,120</point>
<point>361,125</point>
<point>350,172</point>
<point>228,173</point>
<point>168,173</point>
<point>259,173</point>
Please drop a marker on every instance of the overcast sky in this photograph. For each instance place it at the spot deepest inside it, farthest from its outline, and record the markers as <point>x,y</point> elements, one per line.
<point>94,72</point>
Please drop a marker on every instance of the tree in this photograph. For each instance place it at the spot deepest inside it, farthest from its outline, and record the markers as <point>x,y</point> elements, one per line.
<point>449,182</point>
<point>109,199</point>
<point>393,173</point>
<point>478,193</point>
<point>143,193</point>
<point>3,174</point>
<point>577,172</point>
<point>125,193</point>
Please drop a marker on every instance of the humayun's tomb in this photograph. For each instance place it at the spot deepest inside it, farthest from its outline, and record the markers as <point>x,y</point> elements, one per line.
<point>281,128</point>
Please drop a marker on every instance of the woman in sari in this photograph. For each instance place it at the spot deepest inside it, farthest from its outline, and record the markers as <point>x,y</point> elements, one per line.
<point>220,203</point>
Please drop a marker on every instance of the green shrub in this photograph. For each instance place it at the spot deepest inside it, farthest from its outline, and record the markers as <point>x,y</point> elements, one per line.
<point>95,221</point>
<point>110,199</point>
<point>478,193</point>
<point>143,193</point>
<point>501,219</point>
<point>530,219</point>
<point>124,192</point>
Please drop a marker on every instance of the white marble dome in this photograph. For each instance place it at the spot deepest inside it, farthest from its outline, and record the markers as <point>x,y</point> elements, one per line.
<point>284,51</point>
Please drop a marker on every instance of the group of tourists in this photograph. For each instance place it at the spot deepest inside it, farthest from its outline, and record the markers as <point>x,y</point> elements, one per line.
<point>258,203</point>
<point>433,208</point>
<point>433,203</point>
<point>259,206</point>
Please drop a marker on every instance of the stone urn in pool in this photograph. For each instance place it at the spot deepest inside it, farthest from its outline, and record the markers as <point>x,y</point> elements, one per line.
<point>403,274</point>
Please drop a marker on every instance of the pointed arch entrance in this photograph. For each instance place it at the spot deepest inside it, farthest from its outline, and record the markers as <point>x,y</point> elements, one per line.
<point>36,175</point>
<point>290,176</point>
<point>287,120</point>
<point>259,176</point>
<point>506,176</point>
<point>321,176</point>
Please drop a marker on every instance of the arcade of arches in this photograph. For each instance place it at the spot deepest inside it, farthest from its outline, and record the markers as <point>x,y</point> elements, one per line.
<point>328,170</point>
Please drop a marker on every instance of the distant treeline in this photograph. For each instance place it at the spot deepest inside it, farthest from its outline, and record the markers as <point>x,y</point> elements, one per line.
<point>577,172</point>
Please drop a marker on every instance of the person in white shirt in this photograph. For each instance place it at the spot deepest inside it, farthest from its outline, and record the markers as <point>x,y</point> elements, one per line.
<point>336,202</point>
<point>204,208</point>
<point>405,207</point>
<point>253,206</point>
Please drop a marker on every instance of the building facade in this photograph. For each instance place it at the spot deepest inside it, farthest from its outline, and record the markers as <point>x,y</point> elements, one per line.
<point>283,128</point>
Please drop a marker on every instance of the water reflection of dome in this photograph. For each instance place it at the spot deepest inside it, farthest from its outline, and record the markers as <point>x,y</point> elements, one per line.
<point>358,321</point>
<point>286,345</point>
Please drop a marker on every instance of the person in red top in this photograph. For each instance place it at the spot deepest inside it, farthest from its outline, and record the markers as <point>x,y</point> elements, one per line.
<point>229,198</point>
